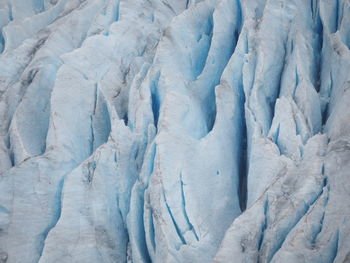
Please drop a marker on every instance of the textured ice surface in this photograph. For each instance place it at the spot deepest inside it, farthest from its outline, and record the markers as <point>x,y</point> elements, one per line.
<point>174,131</point>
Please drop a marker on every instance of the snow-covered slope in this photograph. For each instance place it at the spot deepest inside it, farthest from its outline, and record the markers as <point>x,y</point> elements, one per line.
<point>174,131</point>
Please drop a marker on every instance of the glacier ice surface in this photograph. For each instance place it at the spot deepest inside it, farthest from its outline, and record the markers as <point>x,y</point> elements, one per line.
<point>174,131</point>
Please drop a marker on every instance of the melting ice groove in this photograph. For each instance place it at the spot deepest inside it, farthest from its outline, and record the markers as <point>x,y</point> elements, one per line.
<point>174,131</point>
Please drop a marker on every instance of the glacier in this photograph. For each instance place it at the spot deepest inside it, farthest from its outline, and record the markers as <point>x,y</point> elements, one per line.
<point>174,131</point>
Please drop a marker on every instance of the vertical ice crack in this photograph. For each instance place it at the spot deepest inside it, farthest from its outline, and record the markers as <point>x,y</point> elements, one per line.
<point>335,246</point>
<point>184,209</point>
<point>155,99</point>
<point>117,10</point>
<point>178,230</point>
<point>326,100</point>
<point>264,226</point>
<point>92,119</point>
<point>326,189</point>
<point>337,22</point>
<point>56,216</point>
<point>243,167</point>
<point>243,153</point>
<point>151,229</point>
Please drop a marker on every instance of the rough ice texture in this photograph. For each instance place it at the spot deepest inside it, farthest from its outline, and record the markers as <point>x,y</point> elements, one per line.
<point>174,131</point>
